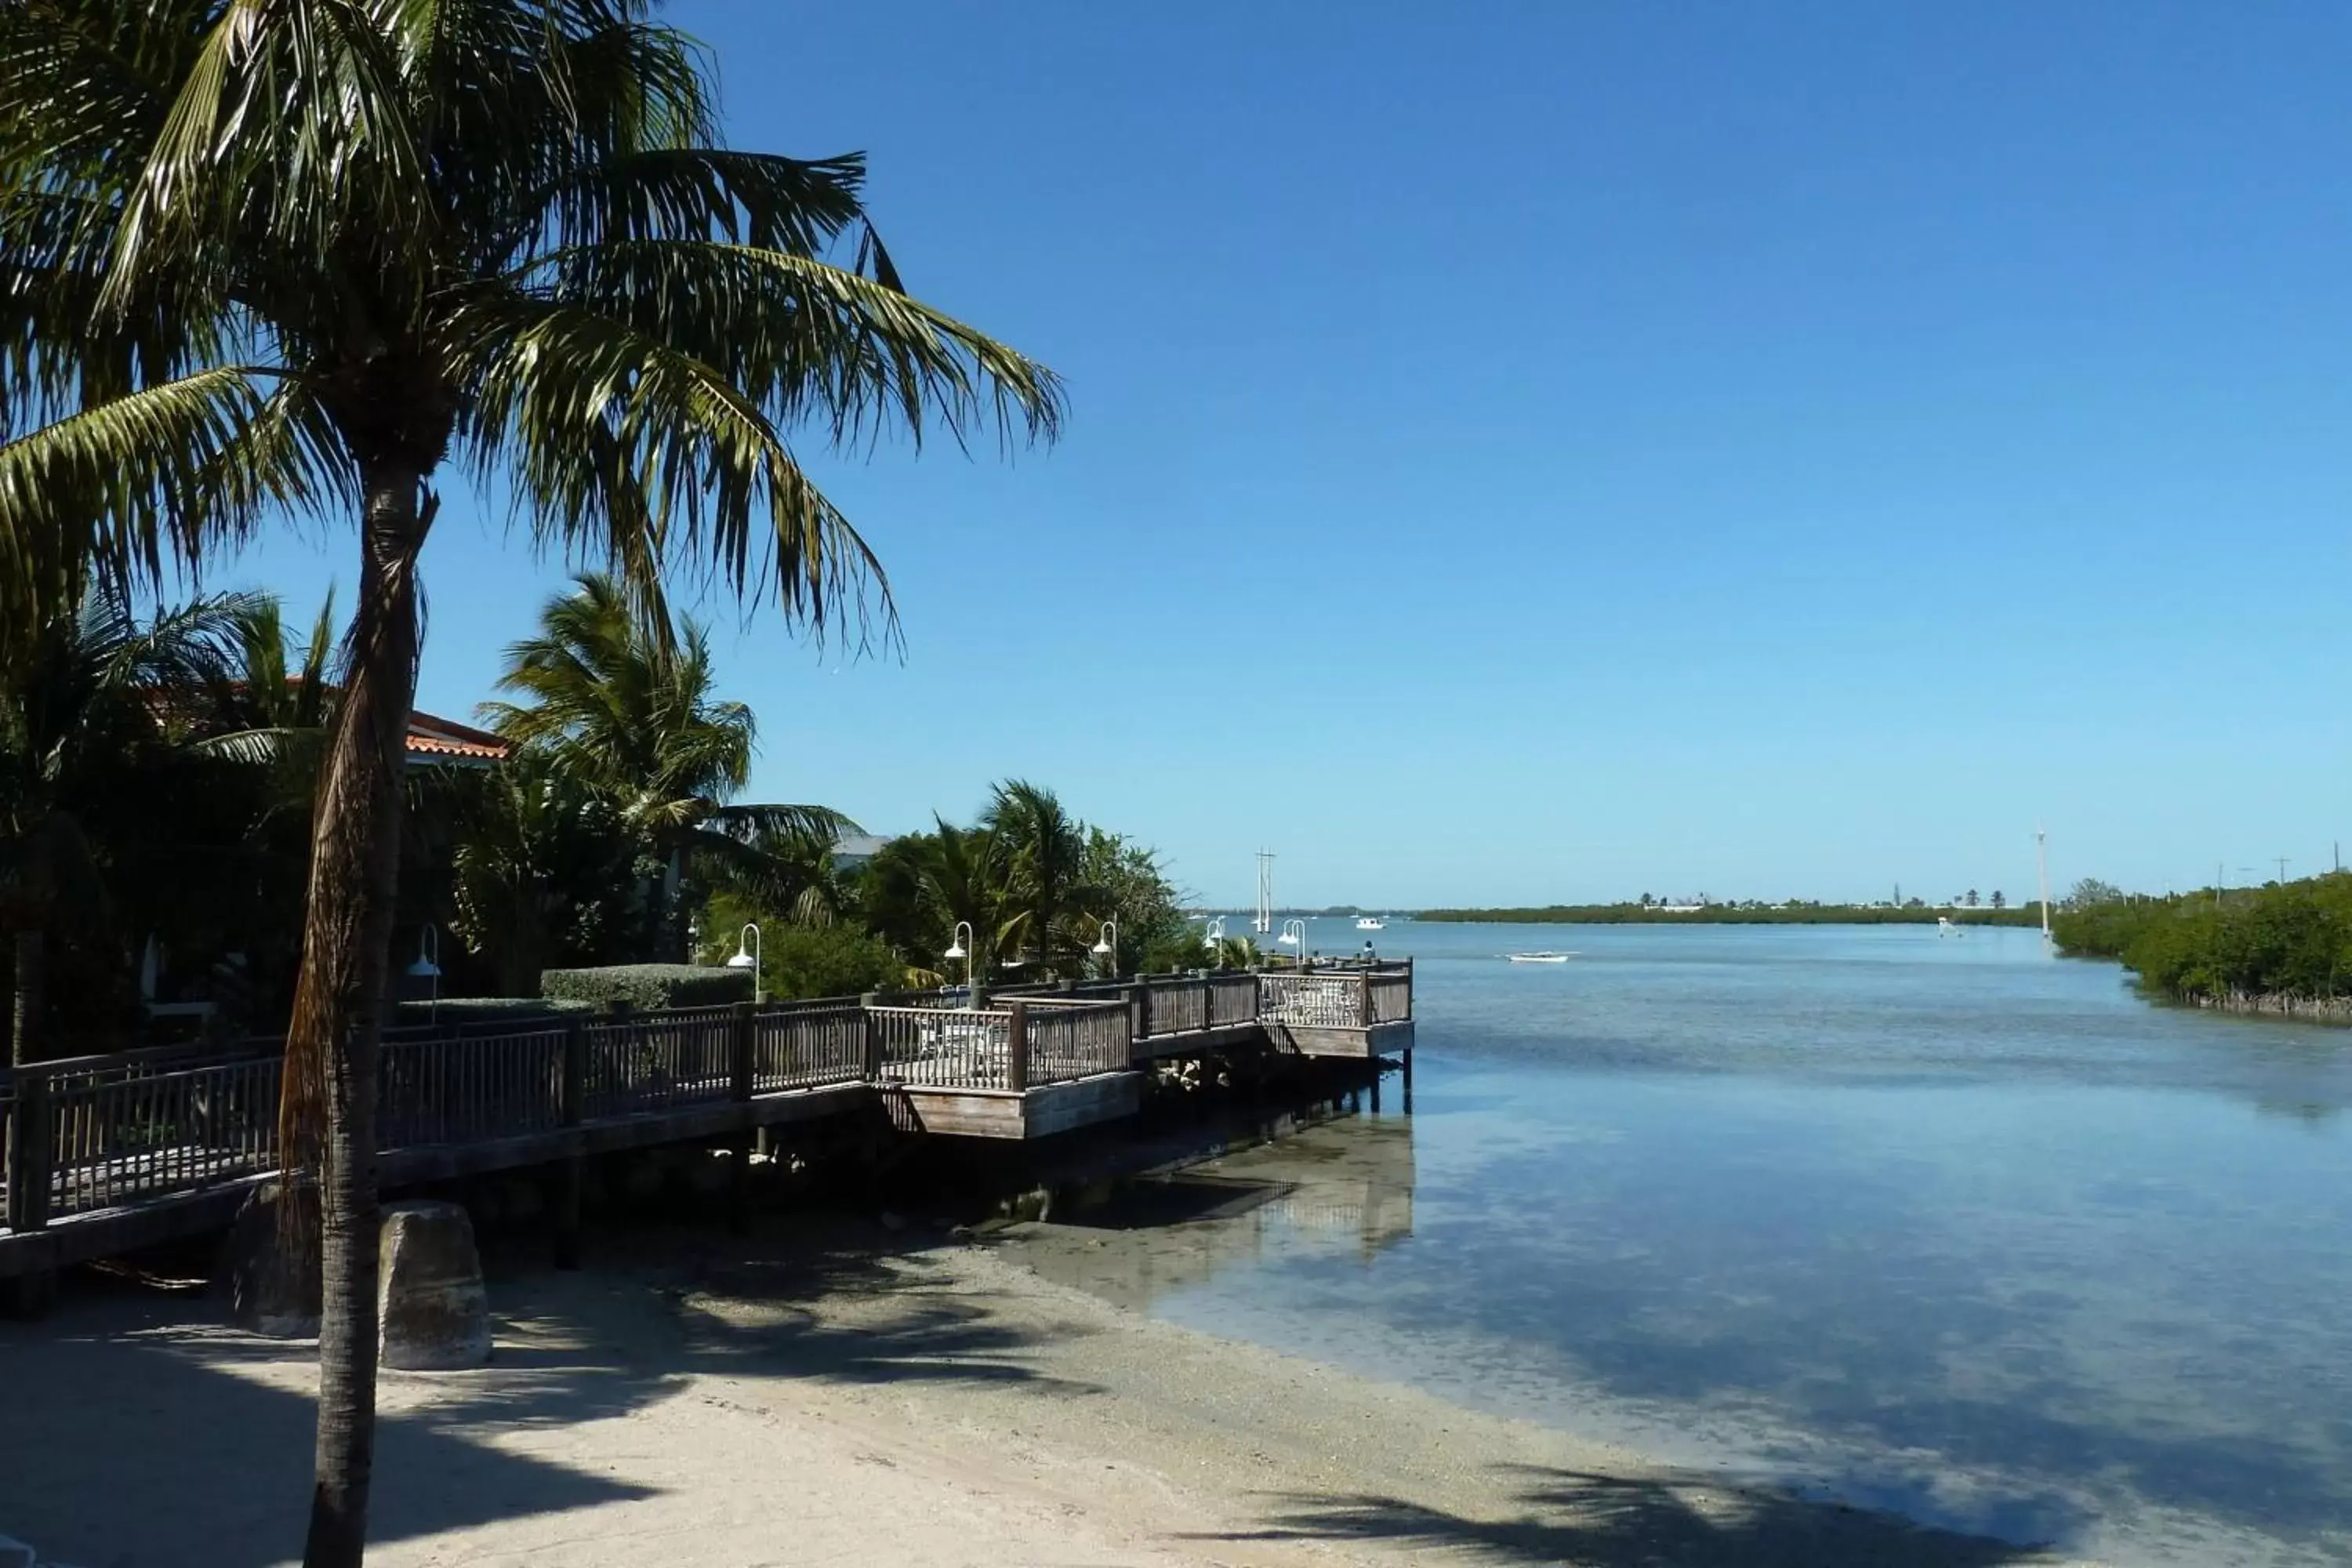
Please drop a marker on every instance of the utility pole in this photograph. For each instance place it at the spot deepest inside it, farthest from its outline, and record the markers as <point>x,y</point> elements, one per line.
<point>2282,861</point>
<point>2041,864</point>
<point>1265,920</point>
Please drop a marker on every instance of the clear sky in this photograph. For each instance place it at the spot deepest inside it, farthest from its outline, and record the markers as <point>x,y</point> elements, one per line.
<point>1527,451</point>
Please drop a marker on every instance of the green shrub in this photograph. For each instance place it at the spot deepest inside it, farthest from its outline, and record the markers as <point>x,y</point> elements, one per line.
<point>647,987</point>
<point>828,961</point>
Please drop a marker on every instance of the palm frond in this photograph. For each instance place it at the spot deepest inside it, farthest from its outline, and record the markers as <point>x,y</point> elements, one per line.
<point>804,339</point>
<point>607,432</point>
<point>159,478</point>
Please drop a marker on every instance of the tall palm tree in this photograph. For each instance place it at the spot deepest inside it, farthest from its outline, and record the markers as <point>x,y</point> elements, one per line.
<point>961,877</point>
<point>1042,855</point>
<point>262,258</point>
<point>619,698</point>
<point>89,696</point>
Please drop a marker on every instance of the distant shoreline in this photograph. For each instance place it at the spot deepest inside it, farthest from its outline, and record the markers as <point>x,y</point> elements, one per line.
<point>1724,914</point>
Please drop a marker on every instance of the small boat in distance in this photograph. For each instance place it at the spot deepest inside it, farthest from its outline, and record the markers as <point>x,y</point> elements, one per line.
<point>1539,957</point>
<point>1371,923</point>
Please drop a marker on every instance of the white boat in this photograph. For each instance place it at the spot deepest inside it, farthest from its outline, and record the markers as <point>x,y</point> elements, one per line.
<point>1371,923</point>
<point>1539,957</point>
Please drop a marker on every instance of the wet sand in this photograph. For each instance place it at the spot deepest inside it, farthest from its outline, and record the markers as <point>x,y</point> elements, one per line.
<point>829,1393</point>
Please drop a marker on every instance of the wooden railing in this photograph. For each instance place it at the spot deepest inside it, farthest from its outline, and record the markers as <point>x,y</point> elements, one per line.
<point>943,1048</point>
<point>1232,999</point>
<point>1315,1001</point>
<point>96,1133</point>
<point>658,1062</point>
<point>114,1136</point>
<point>1078,1040</point>
<point>808,1044</point>
<point>468,1089</point>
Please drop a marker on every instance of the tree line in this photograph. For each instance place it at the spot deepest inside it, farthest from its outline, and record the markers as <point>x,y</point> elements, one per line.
<point>2283,940</point>
<point>1795,912</point>
<point>614,831</point>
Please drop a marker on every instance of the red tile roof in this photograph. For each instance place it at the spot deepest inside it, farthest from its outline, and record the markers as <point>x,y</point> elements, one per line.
<point>434,739</point>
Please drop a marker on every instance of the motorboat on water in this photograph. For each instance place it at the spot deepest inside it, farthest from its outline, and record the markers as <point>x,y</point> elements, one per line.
<point>1371,923</point>
<point>1539,957</point>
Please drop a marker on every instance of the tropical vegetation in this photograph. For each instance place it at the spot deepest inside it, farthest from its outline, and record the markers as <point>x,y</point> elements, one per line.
<point>2281,943</point>
<point>274,259</point>
<point>1027,890</point>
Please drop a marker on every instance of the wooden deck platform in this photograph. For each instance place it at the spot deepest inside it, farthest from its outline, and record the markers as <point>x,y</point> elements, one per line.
<point>108,1153</point>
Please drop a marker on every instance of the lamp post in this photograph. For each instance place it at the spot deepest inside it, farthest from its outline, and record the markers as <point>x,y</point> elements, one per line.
<point>1107,946</point>
<point>747,956</point>
<point>429,964</point>
<point>1294,936</point>
<point>960,945</point>
<point>1213,937</point>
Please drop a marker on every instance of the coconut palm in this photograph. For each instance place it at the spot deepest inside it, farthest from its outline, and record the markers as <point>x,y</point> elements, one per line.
<point>1042,852</point>
<point>619,698</point>
<point>262,259</point>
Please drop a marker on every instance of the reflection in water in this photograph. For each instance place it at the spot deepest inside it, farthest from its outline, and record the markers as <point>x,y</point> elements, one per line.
<point>1948,1229</point>
<point>1341,1188</point>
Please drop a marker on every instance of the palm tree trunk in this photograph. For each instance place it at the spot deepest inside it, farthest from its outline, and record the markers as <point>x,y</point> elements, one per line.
<point>25,1015</point>
<point>327,1119</point>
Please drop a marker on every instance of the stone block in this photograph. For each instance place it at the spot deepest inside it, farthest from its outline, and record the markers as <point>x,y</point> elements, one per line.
<point>435,1314</point>
<point>273,1283</point>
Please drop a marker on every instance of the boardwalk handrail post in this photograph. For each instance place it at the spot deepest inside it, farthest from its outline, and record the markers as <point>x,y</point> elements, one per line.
<point>571,1172</point>
<point>1016,1045</point>
<point>742,1039</point>
<point>30,1152</point>
<point>743,1035</point>
<point>573,1086</point>
<point>871,1054</point>
<point>31,1293</point>
<point>1138,1018</point>
<point>1364,999</point>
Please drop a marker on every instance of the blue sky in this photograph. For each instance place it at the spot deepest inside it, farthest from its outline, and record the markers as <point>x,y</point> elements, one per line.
<point>1525,452</point>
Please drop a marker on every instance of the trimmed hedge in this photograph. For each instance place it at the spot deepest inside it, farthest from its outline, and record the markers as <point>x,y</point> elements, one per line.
<point>649,987</point>
<point>464,1010</point>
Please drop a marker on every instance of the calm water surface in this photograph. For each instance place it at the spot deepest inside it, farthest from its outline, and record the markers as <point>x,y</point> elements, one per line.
<point>1939,1225</point>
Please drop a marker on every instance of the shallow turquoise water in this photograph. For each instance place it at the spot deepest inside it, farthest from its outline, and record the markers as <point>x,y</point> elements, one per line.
<point>1942,1225</point>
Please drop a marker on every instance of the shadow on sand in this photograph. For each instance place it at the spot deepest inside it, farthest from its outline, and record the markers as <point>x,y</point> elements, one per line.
<point>130,1414</point>
<point>1605,1522</point>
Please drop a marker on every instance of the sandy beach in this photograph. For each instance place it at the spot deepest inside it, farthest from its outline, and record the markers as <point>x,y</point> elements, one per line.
<point>834,1393</point>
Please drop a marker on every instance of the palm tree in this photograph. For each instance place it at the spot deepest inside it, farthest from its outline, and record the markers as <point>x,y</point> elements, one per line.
<point>620,700</point>
<point>961,878</point>
<point>274,258</point>
<point>89,698</point>
<point>541,866</point>
<point>1042,856</point>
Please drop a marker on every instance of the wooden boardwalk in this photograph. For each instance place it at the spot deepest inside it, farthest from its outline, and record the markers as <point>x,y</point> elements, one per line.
<point>106,1153</point>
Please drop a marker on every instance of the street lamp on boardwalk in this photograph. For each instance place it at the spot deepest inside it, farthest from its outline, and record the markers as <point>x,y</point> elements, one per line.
<point>960,945</point>
<point>747,956</point>
<point>429,964</point>
<point>1107,946</point>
